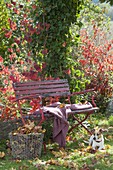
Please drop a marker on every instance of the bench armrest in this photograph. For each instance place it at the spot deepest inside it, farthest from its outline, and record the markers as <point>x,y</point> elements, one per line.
<point>82,92</point>
<point>86,91</point>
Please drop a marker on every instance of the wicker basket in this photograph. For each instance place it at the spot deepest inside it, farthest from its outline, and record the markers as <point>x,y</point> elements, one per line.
<point>26,146</point>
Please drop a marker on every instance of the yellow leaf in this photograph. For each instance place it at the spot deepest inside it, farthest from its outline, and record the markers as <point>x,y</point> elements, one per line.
<point>44,130</point>
<point>2,154</point>
<point>30,125</point>
<point>18,161</point>
<point>52,162</point>
<point>62,105</point>
<point>75,150</point>
<point>107,147</point>
<point>109,137</point>
<point>89,147</point>
<point>66,163</point>
<point>62,149</point>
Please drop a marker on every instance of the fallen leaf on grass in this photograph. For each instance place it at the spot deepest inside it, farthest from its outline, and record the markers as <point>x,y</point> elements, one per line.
<point>52,162</point>
<point>30,161</point>
<point>17,161</point>
<point>23,167</point>
<point>94,161</point>
<point>107,147</point>
<point>2,154</point>
<point>66,163</point>
<point>60,153</point>
<point>69,138</point>
<point>85,167</point>
<point>38,162</point>
<point>90,150</point>
<point>110,137</point>
<point>57,162</point>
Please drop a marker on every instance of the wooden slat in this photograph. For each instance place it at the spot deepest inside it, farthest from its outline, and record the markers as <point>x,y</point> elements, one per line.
<point>34,87</point>
<point>44,95</point>
<point>41,91</point>
<point>40,82</point>
<point>42,88</point>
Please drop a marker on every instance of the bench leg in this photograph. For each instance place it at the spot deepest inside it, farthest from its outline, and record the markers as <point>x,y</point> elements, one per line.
<point>23,121</point>
<point>43,117</point>
<point>44,145</point>
<point>80,123</point>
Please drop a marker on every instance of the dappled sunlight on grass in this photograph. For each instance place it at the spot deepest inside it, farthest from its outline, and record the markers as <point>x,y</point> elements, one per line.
<point>78,155</point>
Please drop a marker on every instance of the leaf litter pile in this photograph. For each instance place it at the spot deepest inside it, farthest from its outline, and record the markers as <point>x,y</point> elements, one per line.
<point>29,127</point>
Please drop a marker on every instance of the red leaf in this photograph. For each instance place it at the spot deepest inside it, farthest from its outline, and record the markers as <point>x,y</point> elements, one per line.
<point>34,6</point>
<point>45,51</point>
<point>8,5</point>
<point>8,34</point>
<point>13,25</point>
<point>37,67</point>
<point>64,44</point>
<point>12,78</point>
<point>10,50</point>
<point>17,40</point>
<point>43,65</point>
<point>83,62</point>
<point>16,11</point>
<point>1,59</point>
<point>68,71</point>
<point>47,26</point>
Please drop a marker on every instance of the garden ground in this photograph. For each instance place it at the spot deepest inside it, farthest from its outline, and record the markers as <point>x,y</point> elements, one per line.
<point>76,156</point>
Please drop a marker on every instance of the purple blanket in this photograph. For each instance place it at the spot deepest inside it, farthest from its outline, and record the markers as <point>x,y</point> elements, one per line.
<point>60,124</point>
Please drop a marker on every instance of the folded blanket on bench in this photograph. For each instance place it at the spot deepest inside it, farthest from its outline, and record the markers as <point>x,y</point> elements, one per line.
<point>73,107</point>
<point>60,124</point>
<point>80,106</point>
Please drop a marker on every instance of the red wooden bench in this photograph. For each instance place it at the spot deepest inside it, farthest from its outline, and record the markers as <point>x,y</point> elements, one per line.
<point>55,89</point>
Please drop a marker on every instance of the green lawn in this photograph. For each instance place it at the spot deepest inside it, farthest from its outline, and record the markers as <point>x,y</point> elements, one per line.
<point>76,156</point>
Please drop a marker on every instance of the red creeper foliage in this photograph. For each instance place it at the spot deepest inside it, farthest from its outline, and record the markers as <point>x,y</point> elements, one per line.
<point>97,60</point>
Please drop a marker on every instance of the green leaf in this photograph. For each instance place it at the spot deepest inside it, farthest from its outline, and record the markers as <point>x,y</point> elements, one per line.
<point>78,73</point>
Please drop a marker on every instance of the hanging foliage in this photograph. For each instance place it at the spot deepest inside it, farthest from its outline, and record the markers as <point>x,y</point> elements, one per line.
<point>55,41</point>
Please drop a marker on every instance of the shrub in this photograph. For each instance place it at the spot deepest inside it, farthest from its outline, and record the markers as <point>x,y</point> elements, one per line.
<point>4,15</point>
<point>96,60</point>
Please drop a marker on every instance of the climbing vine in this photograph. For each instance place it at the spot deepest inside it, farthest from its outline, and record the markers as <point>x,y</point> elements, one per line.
<point>56,41</point>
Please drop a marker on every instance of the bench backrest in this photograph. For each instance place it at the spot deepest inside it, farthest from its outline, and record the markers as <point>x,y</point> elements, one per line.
<point>42,88</point>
